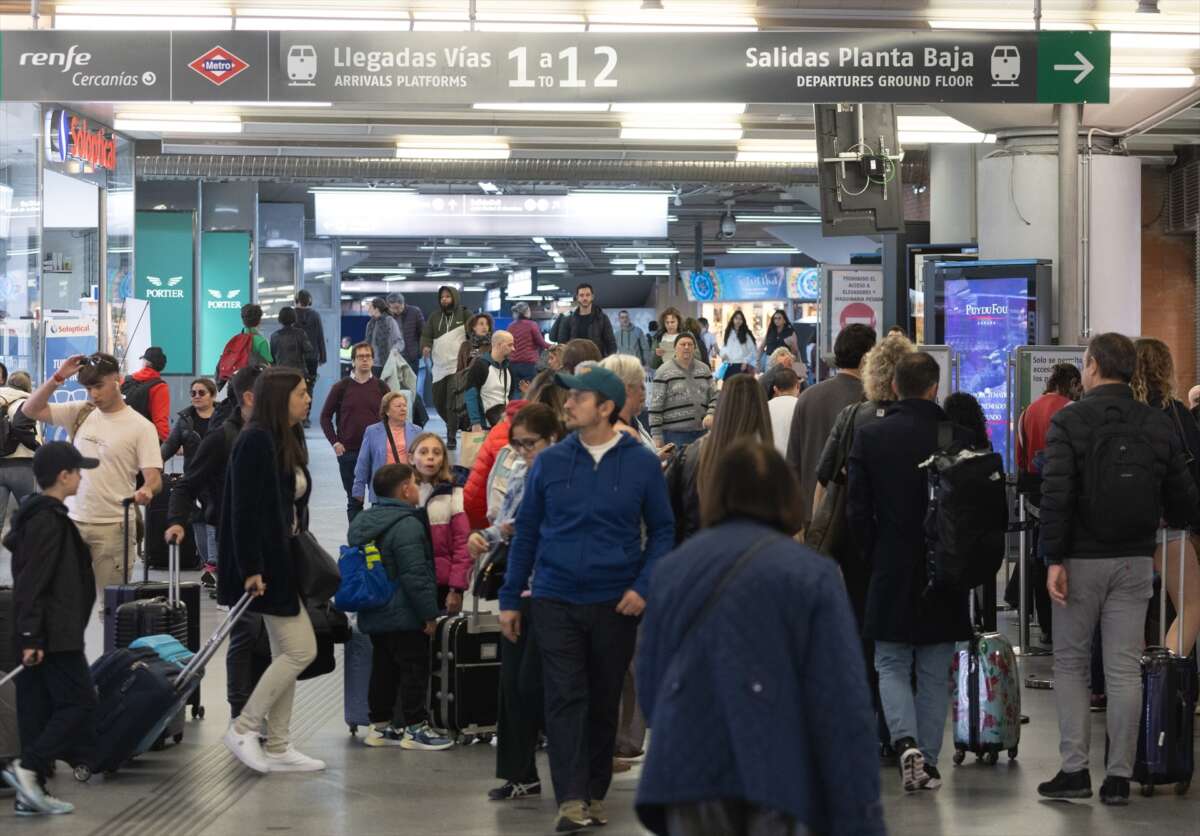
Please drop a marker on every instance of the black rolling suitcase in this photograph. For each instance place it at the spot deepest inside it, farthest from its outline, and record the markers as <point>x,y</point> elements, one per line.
<point>1166,753</point>
<point>156,529</point>
<point>465,683</point>
<point>8,615</point>
<point>138,697</point>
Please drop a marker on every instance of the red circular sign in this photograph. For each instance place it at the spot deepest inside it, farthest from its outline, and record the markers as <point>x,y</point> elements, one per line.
<point>858,312</point>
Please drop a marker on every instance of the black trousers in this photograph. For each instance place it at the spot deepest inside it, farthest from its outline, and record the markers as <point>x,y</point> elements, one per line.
<point>56,703</point>
<point>346,463</point>
<point>521,710</point>
<point>399,678</point>
<point>729,817</point>
<point>248,657</point>
<point>586,649</point>
<point>443,402</point>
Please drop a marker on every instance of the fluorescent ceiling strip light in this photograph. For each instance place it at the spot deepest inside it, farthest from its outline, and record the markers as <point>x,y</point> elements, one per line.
<point>777,218</point>
<point>942,137</point>
<point>378,271</point>
<point>353,247</point>
<point>623,191</point>
<point>446,247</point>
<point>396,277</point>
<point>563,107</point>
<point>634,261</point>
<point>243,23</point>
<point>688,108</point>
<point>151,124</point>
<point>1151,81</point>
<point>547,247</point>
<point>430,274</point>
<point>705,134</point>
<point>763,251</point>
<point>539,240</point>
<point>641,273</point>
<point>776,157</point>
<point>475,288</point>
<point>142,23</point>
<point>488,187</point>
<point>549,287</point>
<point>1021,24</point>
<point>260,104</point>
<point>451,152</point>
<point>555,270</point>
<point>317,12</point>
<point>649,250</point>
<point>471,259</point>
<point>491,268</point>
<point>1155,41</point>
<point>505,26</point>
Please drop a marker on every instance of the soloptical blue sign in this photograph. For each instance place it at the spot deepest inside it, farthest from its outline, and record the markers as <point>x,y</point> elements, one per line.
<point>66,338</point>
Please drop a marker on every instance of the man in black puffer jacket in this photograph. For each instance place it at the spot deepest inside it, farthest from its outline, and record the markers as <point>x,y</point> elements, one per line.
<point>1114,467</point>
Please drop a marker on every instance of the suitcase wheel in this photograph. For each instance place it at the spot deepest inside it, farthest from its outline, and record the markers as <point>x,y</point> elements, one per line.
<point>989,758</point>
<point>82,774</point>
<point>959,757</point>
<point>178,738</point>
<point>1148,790</point>
<point>197,712</point>
<point>1182,787</point>
<point>1012,753</point>
<point>353,729</point>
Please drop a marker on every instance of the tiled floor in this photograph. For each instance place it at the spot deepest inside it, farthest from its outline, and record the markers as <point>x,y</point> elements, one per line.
<point>196,788</point>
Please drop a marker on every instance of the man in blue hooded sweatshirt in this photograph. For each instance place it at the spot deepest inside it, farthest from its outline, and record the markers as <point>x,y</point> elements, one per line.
<point>579,532</point>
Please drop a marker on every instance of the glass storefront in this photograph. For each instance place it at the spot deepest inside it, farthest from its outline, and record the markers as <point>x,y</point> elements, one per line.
<point>20,233</point>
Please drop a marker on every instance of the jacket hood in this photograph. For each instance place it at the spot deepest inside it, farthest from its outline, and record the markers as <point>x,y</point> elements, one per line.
<point>35,504</point>
<point>453,295</point>
<point>374,522</point>
<point>513,408</point>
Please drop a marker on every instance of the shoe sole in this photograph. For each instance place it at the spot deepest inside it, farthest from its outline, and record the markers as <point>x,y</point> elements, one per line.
<point>1114,801</point>
<point>236,751</point>
<point>913,774</point>
<point>273,768</point>
<point>568,826</point>
<point>382,744</point>
<point>11,779</point>
<point>516,796</point>
<point>413,745</point>
<point>1066,794</point>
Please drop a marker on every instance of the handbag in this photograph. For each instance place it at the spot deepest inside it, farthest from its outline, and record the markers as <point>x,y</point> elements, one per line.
<point>490,576</point>
<point>317,575</point>
<point>828,527</point>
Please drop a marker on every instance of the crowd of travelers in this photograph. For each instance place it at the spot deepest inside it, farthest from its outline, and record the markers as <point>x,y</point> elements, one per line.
<point>740,562</point>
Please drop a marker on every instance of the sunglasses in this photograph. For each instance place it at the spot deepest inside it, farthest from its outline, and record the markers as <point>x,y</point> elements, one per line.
<point>199,393</point>
<point>524,446</point>
<point>103,364</point>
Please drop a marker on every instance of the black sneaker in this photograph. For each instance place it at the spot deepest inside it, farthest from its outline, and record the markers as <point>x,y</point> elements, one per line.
<point>1115,791</point>
<point>1068,785</point>
<point>513,790</point>
<point>935,778</point>
<point>912,765</point>
<point>887,755</point>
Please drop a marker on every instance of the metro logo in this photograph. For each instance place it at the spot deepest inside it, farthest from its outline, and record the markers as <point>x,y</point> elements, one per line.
<point>219,65</point>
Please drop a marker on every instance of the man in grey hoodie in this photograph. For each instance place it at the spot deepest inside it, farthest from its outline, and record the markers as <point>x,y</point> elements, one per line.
<point>631,339</point>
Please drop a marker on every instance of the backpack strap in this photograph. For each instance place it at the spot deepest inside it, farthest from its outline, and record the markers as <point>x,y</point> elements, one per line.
<point>80,417</point>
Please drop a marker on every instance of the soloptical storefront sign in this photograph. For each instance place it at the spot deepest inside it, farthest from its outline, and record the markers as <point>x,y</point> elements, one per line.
<point>165,272</point>
<point>464,67</point>
<point>63,338</point>
<point>72,138</point>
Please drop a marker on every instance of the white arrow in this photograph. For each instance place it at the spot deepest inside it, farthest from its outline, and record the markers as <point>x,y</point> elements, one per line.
<point>1084,67</point>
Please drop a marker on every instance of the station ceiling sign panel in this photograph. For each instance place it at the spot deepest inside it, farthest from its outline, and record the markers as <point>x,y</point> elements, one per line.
<point>450,68</point>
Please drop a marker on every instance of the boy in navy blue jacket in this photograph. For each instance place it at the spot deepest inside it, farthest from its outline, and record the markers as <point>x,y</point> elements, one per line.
<point>54,590</point>
<point>579,532</point>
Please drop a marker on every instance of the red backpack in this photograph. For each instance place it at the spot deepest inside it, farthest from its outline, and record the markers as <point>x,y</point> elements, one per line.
<point>234,357</point>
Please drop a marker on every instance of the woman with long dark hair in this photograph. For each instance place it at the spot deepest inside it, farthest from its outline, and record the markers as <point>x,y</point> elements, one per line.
<point>964,410</point>
<point>741,413</point>
<point>192,424</point>
<point>780,334</point>
<point>740,351</point>
<point>267,487</point>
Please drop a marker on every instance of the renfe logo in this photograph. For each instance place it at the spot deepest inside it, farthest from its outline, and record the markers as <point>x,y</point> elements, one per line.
<point>219,65</point>
<point>67,60</point>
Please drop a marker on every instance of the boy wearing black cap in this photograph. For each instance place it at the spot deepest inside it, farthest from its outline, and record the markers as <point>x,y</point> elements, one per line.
<point>53,594</point>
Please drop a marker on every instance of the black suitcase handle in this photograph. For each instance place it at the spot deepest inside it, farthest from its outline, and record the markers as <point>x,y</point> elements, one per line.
<point>126,504</point>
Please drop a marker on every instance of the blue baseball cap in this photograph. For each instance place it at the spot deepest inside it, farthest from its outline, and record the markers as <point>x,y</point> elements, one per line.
<point>595,379</point>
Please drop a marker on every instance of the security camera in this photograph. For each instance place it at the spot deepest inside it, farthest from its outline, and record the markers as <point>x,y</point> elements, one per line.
<point>641,266</point>
<point>728,227</point>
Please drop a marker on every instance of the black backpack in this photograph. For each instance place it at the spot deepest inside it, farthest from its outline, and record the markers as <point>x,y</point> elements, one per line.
<point>967,518</point>
<point>1122,495</point>
<point>137,393</point>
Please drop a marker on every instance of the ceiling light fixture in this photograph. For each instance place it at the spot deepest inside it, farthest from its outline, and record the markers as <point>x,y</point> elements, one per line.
<point>488,187</point>
<point>763,251</point>
<point>778,219</point>
<point>562,107</point>
<point>378,271</point>
<point>446,247</point>
<point>658,109</point>
<point>451,148</point>
<point>152,123</point>
<point>353,247</point>
<point>711,132</point>
<point>539,240</point>
<point>631,262</point>
<point>475,259</point>
<point>641,273</point>
<point>1152,77</point>
<point>634,250</point>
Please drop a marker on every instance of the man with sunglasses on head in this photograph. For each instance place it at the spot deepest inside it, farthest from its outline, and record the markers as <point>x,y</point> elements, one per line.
<point>103,427</point>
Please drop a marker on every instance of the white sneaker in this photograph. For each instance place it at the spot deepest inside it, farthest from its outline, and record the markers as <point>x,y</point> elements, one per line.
<point>28,787</point>
<point>246,748</point>
<point>292,761</point>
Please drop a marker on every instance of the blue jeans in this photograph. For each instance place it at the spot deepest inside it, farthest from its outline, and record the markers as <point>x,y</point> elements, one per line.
<point>523,371</point>
<point>682,438</point>
<point>921,716</point>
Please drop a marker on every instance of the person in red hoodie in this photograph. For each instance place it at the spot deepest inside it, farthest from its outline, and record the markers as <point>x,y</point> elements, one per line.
<point>148,393</point>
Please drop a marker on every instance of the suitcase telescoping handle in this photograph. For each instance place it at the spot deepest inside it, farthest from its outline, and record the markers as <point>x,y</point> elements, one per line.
<point>126,504</point>
<point>11,675</point>
<point>197,663</point>
<point>1162,592</point>
<point>173,596</point>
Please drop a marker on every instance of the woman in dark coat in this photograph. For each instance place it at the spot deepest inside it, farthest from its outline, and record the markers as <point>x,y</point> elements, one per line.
<point>765,659</point>
<point>267,487</point>
<point>191,425</point>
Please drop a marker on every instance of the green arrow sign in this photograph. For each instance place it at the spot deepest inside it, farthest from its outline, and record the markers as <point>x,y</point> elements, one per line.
<point>1073,67</point>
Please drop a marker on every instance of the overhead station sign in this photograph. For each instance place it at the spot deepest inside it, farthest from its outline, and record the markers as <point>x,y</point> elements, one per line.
<point>443,67</point>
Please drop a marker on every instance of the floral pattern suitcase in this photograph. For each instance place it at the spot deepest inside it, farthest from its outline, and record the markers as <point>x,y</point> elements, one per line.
<point>987,698</point>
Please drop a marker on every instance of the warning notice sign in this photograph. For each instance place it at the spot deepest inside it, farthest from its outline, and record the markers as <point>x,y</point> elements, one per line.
<point>855,297</point>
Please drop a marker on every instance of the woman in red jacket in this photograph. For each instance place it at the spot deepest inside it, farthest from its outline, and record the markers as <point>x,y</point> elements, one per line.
<point>475,498</point>
<point>528,343</point>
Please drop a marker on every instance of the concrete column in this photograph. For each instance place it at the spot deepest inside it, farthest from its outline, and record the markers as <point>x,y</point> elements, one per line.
<point>1018,211</point>
<point>952,178</point>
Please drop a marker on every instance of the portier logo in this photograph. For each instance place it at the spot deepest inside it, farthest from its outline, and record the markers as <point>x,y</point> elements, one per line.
<point>226,301</point>
<point>219,65</point>
<point>995,309</point>
<point>160,292</point>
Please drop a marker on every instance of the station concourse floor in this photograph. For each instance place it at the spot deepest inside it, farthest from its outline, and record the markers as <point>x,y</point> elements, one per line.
<point>197,787</point>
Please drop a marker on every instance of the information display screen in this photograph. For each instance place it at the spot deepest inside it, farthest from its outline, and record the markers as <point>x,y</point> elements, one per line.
<point>985,319</point>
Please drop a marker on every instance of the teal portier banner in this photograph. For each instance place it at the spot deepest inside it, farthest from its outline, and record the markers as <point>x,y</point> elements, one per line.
<point>166,280</point>
<point>224,288</point>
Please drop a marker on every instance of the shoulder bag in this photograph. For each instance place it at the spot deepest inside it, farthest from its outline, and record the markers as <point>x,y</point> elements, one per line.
<point>490,576</point>
<point>317,574</point>
<point>828,527</point>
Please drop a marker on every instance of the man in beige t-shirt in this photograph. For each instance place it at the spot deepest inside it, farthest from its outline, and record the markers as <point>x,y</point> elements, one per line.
<point>126,444</point>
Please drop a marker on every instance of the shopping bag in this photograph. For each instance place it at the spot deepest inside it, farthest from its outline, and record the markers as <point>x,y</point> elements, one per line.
<point>468,448</point>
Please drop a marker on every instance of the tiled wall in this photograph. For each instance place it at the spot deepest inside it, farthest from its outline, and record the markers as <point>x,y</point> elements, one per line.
<point>1168,282</point>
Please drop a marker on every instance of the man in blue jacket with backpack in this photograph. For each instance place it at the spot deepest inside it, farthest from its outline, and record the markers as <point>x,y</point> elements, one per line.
<point>579,532</point>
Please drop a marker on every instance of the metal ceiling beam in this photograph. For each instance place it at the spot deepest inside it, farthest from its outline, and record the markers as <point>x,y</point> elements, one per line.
<point>222,167</point>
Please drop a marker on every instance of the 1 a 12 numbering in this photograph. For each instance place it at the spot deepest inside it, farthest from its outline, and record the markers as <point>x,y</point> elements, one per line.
<point>569,61</point>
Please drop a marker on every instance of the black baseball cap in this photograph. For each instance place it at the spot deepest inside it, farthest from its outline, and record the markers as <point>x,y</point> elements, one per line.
<point>598,380</point>
<point>156,356</point>
<point>53,457</point>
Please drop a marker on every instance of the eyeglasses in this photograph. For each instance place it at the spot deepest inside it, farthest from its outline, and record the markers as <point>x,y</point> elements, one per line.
<point>199,393</point>
<point>524,446</point>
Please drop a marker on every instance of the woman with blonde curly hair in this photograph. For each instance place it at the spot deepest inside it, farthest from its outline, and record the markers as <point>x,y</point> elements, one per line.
<point>1154,384</point>
<point>879,366</point>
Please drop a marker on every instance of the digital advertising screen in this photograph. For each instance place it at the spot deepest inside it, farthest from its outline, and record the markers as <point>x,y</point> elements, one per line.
<point>985,319</point>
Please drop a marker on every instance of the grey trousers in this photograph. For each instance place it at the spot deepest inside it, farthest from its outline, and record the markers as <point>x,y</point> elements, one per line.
<point>1114,593</point>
